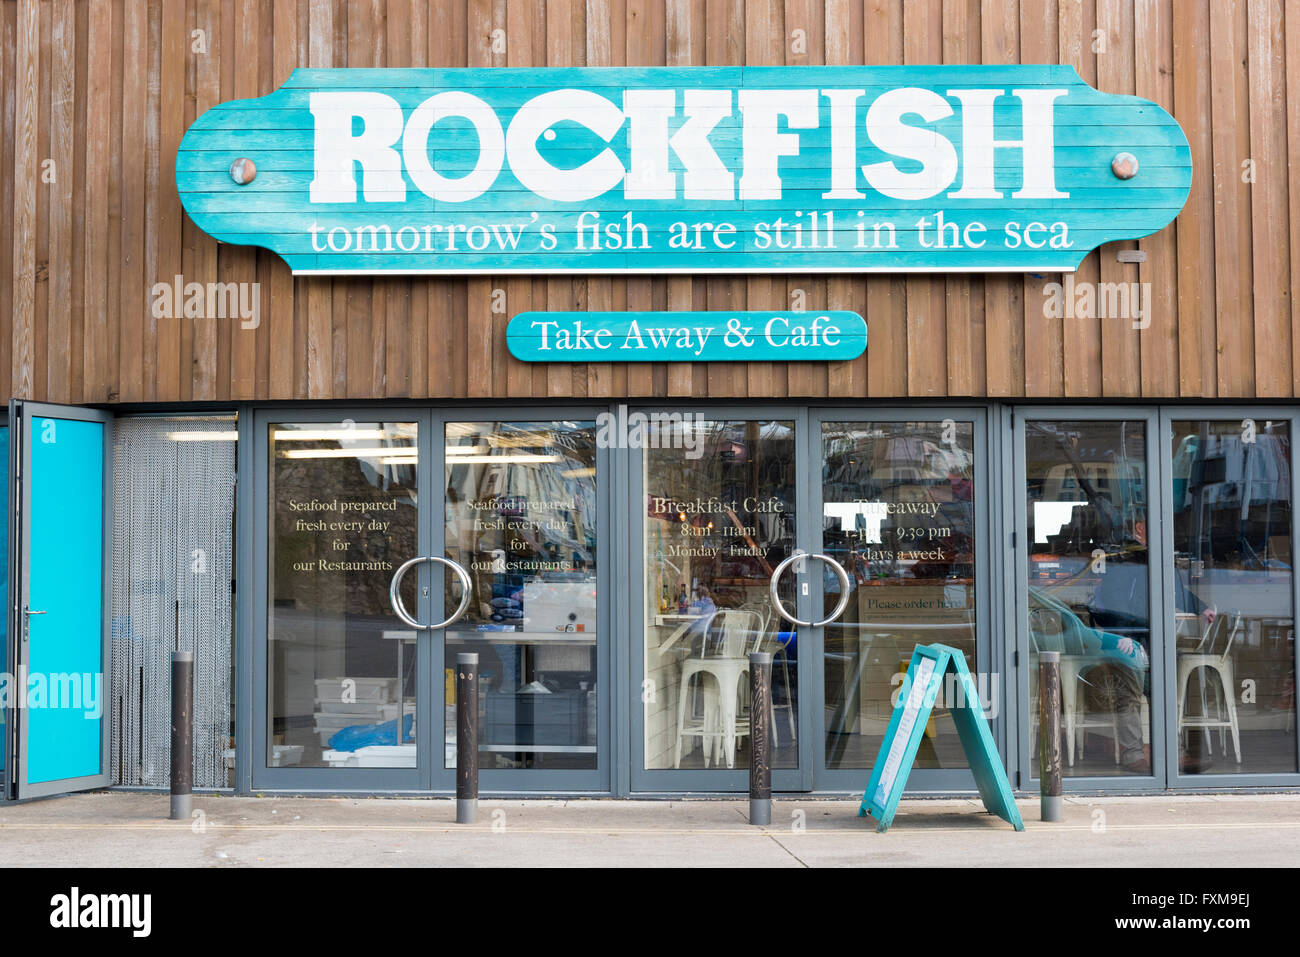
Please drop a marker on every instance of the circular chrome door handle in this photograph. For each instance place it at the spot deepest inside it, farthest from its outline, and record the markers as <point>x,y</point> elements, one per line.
<point>395,597</point>
<point>840,573</point>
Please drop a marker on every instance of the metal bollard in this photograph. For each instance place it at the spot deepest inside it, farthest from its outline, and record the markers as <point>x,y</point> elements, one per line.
<point>760,738</point>
<point>1049,734</point>
<point>466,737</point>
<point>182,745</point>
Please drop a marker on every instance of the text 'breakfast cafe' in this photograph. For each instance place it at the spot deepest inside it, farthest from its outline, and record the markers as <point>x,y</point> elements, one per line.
<point>328,324</point>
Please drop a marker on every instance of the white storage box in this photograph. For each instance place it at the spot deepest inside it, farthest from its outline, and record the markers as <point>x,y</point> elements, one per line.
<point>377,715</point>
<point>367,690</point>
<point>281,755</point>
<point>374,756</point>
<point>285,754</point>
<point>360,708</point>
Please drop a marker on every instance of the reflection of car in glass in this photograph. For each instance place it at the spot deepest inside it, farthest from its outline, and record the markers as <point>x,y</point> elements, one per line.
<point>1054,626</point>
<point>1046,567</point>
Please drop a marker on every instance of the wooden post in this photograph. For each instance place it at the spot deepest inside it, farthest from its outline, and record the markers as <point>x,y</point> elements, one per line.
<point>466,737</point>
<point>1049,734</point>
<point>182,742</point>
<point>760,737</point>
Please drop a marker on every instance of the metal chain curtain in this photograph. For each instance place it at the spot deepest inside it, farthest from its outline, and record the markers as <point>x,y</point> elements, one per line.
<point>173,538</point>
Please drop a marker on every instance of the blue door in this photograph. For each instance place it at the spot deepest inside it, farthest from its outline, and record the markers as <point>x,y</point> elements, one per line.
<point>62,482</point>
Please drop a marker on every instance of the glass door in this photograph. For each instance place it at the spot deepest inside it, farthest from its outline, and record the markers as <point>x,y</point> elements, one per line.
<point>374,523</point>
<point>342,697</point>
<point>522,506</point>
<point>902,504</point>
<point>715,510</point>
<point>1231,595</point>
<point>1089,589</point>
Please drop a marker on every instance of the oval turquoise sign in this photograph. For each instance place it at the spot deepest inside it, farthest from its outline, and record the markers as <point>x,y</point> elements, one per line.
<point>686,336</point>
<point>688,170</point>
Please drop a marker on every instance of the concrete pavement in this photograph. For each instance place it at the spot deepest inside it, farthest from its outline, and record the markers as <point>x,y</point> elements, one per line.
<point>117,829</point>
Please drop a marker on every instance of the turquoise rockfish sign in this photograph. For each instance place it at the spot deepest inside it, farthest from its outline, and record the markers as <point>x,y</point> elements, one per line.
<point>694,169</point>
<point>686,336</point>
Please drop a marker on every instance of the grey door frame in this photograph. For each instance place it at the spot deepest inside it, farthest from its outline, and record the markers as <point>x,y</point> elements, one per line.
<point>921,780</point>
<point>12,507</point>
<point>22,415</point>
<point>431,775</point>
<point>678,781</point>
<point>1168,415</point>
<point>336,780</point>
<point>1160,679</point>
<point>598,780</point>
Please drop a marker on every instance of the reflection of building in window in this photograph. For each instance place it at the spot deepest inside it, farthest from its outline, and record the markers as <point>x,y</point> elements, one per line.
<point>872,515</point>
<point>520,500</point>
<point>715,526</point>
<point>521,505</point>
<point>1234,627</point>
<point>1234,495</point>
<point>1051,517</point>
<point>899,514</point>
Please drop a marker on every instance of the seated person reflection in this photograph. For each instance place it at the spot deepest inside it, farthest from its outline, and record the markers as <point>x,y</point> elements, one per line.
<point>1120,604</point>
<point>703,606</point>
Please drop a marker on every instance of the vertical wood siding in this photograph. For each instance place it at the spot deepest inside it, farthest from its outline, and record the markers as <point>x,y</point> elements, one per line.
<point>95,97</point>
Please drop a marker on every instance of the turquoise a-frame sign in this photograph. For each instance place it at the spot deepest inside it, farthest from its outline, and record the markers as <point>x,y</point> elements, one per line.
<point>931,664</point>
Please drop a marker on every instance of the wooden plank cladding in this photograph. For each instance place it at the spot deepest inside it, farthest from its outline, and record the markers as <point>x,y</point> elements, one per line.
<point>95,97</point>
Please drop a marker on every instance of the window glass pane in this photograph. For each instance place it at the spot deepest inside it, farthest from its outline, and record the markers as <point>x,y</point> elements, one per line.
<point>521,518</point>
<point>1233,613</point>
<point>719,517</point>
<point>341,665</point>
<point>1086,504</point>
<point>4,563</point>
<point>898,513</point>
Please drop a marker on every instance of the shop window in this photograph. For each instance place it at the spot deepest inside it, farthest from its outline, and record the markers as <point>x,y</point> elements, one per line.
<point>898,513</point>
<point>341,669</point>
<point>1089,585</point>
<point>1233,612</point>
<point>521,518</point>
<point>718,517</point>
